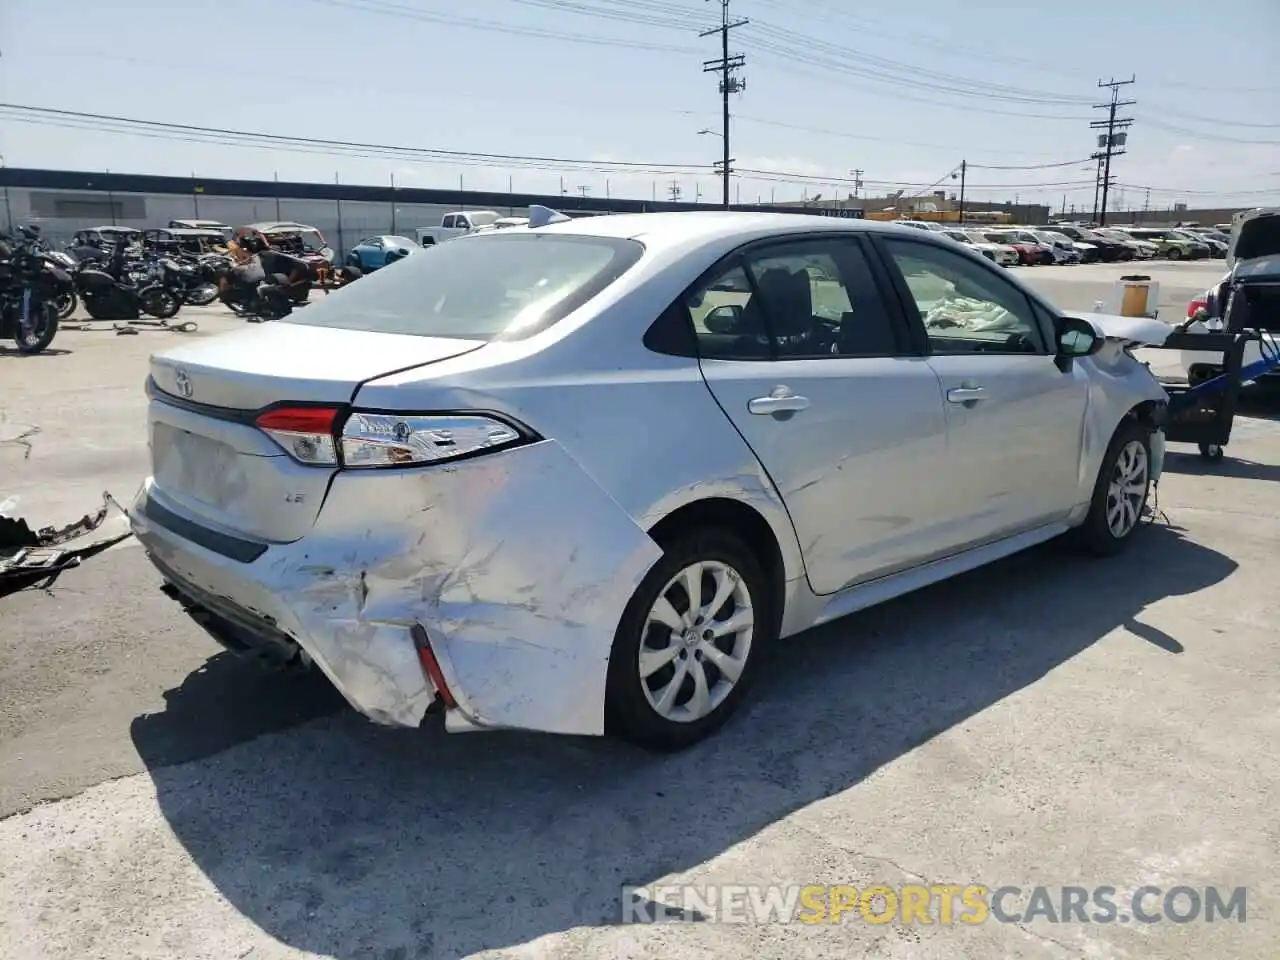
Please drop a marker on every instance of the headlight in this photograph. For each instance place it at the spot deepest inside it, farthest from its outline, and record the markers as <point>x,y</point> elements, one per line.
<point>389,439</point>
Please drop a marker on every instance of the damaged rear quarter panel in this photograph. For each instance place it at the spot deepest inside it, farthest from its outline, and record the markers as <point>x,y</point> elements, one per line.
<point>517,564</point>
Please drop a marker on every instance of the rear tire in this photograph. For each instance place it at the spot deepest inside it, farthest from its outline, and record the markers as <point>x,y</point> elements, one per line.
<point>699,651</point>
<point>159,302</point>
<point>1173,253</point>
<point>202,295</point>
<point>1119,493</point>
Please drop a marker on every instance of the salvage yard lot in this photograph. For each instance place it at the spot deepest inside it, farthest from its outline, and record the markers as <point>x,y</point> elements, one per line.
<point>1049,720</point>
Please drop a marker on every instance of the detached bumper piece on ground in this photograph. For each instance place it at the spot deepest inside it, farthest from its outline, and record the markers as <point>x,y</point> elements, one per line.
<point>31,558</point>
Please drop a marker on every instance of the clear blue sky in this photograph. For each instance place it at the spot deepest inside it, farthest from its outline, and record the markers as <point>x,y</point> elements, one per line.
<point>901,90</point>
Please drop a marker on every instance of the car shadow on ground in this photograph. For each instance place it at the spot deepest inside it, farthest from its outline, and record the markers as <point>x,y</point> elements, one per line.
<point>1194,465</point>
<point>349,840</point>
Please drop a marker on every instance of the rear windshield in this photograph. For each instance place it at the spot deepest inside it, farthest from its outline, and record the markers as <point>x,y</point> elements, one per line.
<point>483,287</point>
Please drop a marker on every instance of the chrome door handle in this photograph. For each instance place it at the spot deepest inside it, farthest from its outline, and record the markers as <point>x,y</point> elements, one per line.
<point>966,394</point>
<point>763,406</point>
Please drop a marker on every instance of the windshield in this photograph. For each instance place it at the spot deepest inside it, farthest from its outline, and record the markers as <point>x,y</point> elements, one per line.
<point>976,236</point>
<point>957,235</point>
<point>501,285</point>
<point>1060,238</point>
<point>401,242</point>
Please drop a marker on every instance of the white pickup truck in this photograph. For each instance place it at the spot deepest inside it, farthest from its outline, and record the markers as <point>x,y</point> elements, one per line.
<point>457,225</point>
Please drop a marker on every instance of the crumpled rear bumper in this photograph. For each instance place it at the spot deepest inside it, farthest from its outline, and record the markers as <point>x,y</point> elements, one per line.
<point>517,565</point>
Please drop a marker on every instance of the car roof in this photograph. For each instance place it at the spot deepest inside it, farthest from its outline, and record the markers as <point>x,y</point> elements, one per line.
<point>185,232</point>
<point>277,225</point>
<point>657,230</point>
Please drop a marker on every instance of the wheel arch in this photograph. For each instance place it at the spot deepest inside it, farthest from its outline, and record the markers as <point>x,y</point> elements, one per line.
<point>743,521</point>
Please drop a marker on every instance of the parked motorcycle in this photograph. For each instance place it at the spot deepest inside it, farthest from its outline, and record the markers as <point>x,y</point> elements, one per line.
<point>207,273</point>
<point>124,290</point>
<point>29,285</point>
<point>65,294</point>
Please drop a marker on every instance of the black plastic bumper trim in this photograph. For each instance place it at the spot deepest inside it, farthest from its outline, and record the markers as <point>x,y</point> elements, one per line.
<point>244,551</point>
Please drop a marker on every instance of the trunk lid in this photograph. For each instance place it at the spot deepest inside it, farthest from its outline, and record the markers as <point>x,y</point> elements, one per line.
<point>211,464</point>
<point>1255,236</point>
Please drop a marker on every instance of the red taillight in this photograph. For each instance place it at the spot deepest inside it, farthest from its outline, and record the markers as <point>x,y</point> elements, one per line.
<point>305,433</point>
<point>430,664</point>
<point>298,419</point>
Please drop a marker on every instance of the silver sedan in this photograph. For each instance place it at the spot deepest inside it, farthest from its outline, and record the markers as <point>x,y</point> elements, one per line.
<point>578,476</point>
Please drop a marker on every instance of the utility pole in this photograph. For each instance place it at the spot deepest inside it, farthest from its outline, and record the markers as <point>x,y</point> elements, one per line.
<point>1111,144</point>
<point>8,210</point>
<point>1097,187</point>
<point>338,193</point>
<point>857,183</point>
<point>729,83</point>
<point>964,169</point>
<point>583,189</point>
<point>111,199</point>
<point>674,191</point>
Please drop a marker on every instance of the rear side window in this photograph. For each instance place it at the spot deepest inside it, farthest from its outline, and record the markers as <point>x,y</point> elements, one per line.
<point>811,299</point>
<point>482,287</point>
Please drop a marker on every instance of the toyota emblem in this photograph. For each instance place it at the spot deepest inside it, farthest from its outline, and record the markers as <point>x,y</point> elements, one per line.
<point>183,383</point>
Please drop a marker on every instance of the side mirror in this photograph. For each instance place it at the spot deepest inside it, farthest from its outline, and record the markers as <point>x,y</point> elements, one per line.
<point>401,252</point>
<point>1076,338</point>
<point>723,319</point>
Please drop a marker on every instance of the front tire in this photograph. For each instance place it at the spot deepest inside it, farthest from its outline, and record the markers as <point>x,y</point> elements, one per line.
<point>1173,253</point>
<point>1120,492</point>
<point>66,302</point>
<point>678,670</point>
<point>42,335</point>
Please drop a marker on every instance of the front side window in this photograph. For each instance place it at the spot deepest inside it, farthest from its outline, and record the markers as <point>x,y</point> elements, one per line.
<point>964,306</point>
<point>481,287</point>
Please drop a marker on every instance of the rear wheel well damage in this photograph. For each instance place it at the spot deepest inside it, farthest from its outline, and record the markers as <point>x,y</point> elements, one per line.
<point>738,519</point>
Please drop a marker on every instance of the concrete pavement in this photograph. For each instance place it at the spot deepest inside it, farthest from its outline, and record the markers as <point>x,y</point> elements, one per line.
<point>1050,720</point>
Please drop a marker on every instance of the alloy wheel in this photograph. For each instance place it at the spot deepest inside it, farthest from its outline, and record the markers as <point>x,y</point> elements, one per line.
<point>697,638</point>
<point>1127,490</point>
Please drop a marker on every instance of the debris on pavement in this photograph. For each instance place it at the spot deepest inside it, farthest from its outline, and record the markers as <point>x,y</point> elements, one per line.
<point>19,434</point>
<point>37,557</point>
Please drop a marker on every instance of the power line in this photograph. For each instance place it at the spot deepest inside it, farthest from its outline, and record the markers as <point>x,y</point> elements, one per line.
<point>1030,166</point>
<point>1215,136</point>
<point>386,8</point>
<point>1217,121</point>
<point>104,123</point>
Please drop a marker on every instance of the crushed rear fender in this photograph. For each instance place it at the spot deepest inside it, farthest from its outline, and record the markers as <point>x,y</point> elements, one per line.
<point>518,565</point>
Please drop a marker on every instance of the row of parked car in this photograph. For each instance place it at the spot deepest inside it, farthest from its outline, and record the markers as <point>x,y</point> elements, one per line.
<point>1064,243</point>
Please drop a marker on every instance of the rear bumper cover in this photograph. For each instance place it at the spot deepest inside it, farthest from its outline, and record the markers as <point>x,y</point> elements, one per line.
<point>517,565</point>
